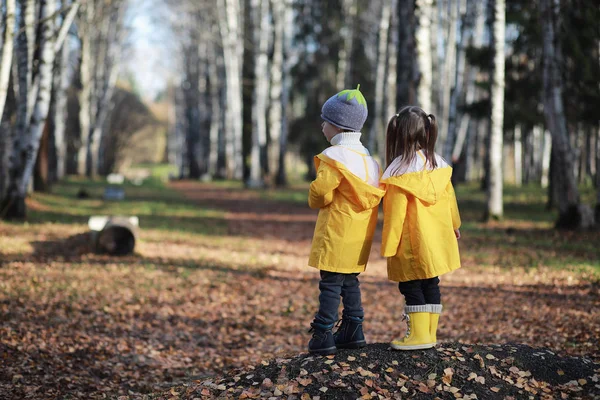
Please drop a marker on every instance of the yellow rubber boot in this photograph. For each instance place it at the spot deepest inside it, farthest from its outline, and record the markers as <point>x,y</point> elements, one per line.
<point>417,336</point>
<point>436,310</point>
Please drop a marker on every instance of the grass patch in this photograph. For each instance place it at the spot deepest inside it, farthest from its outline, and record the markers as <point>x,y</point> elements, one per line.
<point>157,206</point>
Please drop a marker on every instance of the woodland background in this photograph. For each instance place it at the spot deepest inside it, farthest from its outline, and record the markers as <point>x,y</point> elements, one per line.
<point>216,166</point>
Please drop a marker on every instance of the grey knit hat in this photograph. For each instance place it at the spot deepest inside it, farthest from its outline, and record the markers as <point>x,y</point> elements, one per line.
<point>346,110</point>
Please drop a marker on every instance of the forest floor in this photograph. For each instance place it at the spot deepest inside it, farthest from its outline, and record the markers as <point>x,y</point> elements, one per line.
<point>217,301</point>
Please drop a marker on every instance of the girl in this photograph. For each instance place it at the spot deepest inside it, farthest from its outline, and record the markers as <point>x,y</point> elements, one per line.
<point>421,221</point>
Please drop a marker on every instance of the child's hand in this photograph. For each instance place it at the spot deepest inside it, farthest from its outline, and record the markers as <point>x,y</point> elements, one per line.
<point>457,233</point>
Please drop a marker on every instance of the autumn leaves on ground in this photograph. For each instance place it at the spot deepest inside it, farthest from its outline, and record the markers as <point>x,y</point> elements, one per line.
<point>219,284</point>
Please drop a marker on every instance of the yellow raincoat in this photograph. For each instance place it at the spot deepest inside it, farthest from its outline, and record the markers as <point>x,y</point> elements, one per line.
<point>347,218</point>
<point>420,215</point>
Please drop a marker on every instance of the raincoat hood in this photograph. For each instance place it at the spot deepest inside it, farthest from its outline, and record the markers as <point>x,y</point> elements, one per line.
<point>427,185</point>
<point>361,194</point>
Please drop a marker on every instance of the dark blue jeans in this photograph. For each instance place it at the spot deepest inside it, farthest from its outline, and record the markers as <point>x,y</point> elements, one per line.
<point>421,291</point>
<point>332,286</point>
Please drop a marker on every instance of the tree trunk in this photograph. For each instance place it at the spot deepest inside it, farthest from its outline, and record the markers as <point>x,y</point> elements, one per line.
<point>406,69</point>
<point>85,78</point>
<point>571,215</point>
<point>275,112</point>
<point>7,54</point>
<point>471,91</point>
<point>378,124</point>
<point>215,63</point>
<point>61,86</point>
<point>597,213</point>
<point>456,93</point>
<point>347,31</point>
<point>391,105</point>
<point>261,91</point>
<point>448,81</point>
<point>288,17</point>
<point>229,21</point>
<point>495,208</point>
<point>27,145</point>
<point>424,14</point>
<point>518,145</point>
<point>546,158</point>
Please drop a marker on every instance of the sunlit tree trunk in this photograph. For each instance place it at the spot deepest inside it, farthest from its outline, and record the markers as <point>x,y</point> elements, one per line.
<point>424,13</point>
<point>495,207</point>
<point>27,145</point>
<point>546,158</point>
<point>85,78</point>
<point>7,53</point>
<point>571,214</point>
<point>229,22</point>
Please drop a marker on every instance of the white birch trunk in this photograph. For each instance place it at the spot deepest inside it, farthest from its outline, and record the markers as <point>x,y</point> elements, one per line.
<point>85,94</point>
<point>229,18</point>
<point>42,104</point>
<point>261,91</point>
<point>546,157</point>
<point>108,74</point>
<point>495,206</point>
<point>380,80</point>
<point>424,14</point>
<point>392,76</point>
<point>7,53</point>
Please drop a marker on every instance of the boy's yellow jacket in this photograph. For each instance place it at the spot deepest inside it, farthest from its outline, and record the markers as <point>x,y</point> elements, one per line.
<point>420,215</point>
<point>347,218</point>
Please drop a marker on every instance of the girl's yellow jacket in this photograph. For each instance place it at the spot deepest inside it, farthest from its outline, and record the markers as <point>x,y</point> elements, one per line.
<point>347,218</point>
<point>420,215</point>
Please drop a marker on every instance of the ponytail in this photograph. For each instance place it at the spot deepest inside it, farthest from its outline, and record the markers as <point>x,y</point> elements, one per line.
<point>430,139</point>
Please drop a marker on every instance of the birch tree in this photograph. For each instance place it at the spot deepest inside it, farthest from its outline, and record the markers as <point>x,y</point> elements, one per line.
<point>27,145</point>
<point>424,14</point>
<point>7,51</point>
<point>495,207</point>
<point>229,15</point>
<point>571,214</point>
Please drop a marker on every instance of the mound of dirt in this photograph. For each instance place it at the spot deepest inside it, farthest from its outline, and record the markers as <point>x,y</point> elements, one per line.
<point>452,370</point>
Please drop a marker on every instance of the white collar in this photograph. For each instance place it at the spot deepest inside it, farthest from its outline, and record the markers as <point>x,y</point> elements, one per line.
<point>348,139</point>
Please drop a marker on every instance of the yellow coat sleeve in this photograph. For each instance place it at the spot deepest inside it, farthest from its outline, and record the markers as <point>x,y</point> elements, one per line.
<point>454,207</point>
<point>395,204</point>
<point>322,188</point>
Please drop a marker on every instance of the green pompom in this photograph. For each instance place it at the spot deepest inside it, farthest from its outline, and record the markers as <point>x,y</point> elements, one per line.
<point>354,94</point>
